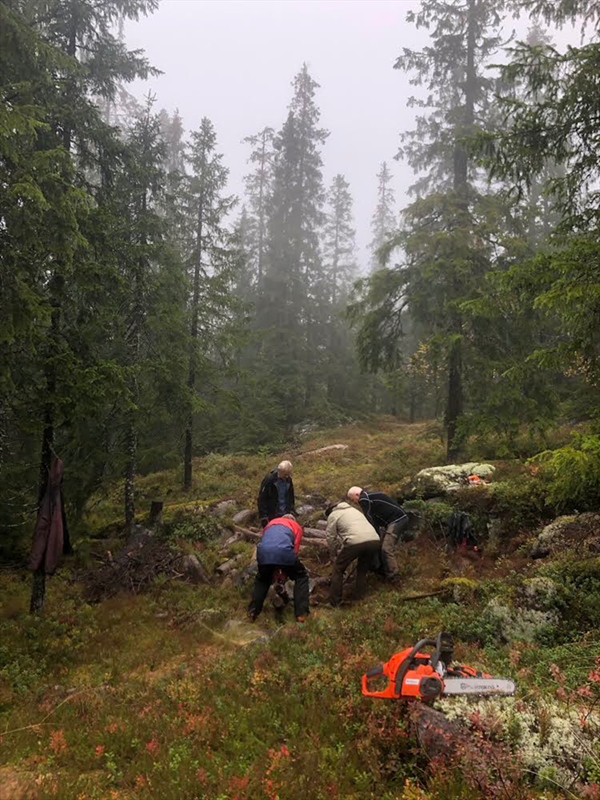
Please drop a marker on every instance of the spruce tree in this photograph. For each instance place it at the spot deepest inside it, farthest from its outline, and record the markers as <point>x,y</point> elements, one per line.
<point>446,249</point>
<point>293,306</point>
<point>384,221</point>
<point>339,239</point>
<point>83,31</point>
<point>213,259</point>
<point>258,191</point>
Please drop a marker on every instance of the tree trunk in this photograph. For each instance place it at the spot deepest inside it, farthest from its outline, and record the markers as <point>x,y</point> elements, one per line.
<point>38,590</point>
<point>454,399</point>
<point>155,516</point>
<point>412,404</point>
<point>131,448</point>
<point>461,187</point>
<point>191,383</point>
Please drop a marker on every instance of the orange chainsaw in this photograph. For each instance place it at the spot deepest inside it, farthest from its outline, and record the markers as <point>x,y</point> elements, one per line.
<point>412,673</point>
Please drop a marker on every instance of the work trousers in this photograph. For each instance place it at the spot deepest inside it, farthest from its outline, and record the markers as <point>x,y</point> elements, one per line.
<point>295,572</point>
<point>388,546</point>
<point>363,553</point>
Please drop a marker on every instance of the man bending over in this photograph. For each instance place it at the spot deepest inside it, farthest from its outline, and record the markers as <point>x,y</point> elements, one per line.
<point>348,527</point>
<point>278,550</point>
<point>383,513</point>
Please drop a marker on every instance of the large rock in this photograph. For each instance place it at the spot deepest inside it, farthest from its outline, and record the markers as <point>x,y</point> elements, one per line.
<point>519,624</point>
<point>439,481</point>
<point>192,569</point>
<point>225,506</point>
<point>577,533</point>
<point>242,517</point>
<point>245,575</point>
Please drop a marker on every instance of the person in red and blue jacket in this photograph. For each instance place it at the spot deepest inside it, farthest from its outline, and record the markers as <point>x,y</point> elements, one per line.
<point>278,550</point>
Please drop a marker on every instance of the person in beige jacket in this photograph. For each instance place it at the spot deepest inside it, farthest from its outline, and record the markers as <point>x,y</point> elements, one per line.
<point>351,532</point>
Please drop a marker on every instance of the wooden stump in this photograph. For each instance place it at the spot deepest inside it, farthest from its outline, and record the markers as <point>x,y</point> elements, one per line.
<point>156,509</point>
<point>439,736</point>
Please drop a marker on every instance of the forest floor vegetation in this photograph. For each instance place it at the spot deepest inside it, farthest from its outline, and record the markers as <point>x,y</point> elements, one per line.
<point>152,696</point>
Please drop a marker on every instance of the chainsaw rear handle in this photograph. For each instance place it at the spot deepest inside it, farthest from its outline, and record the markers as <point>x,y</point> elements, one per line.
<point>442,644</point>
<point>372,673</point>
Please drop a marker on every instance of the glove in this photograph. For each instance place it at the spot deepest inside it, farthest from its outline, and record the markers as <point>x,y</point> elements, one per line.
<point>264,522</point>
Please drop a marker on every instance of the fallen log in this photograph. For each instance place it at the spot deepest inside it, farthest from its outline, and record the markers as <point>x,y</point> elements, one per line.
<point>314,533</point>
<point>329,449</point>
<point>231,540</point>
<point>423,596</point>
<point>306,543</point>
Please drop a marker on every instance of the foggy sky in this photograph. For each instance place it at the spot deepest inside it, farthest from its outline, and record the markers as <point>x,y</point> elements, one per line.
<point>233,61</point>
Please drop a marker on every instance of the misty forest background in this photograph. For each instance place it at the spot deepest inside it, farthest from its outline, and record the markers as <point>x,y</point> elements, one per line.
<point>148,317</point>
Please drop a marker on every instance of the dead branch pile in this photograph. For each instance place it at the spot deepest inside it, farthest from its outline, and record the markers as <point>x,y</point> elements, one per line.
<point>146,555</point>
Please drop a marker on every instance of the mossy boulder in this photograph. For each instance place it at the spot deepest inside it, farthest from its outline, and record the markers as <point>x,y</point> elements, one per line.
<point>439,481</point>
<point>573,532</point>
<point>517,624</point>
<point>461,590</point>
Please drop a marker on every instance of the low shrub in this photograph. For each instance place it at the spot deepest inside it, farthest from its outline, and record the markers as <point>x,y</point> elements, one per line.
<point>432,515</point>
<point>577,598</point>
<point>201,527</point>
<point>521,503</point>
<point>572,473</point>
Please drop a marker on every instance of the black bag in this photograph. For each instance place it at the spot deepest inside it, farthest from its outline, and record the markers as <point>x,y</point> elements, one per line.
<point>460,531</point>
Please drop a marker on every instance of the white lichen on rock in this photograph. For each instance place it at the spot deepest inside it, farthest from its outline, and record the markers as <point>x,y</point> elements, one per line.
<point>440,480</point>
<point>519,624</point>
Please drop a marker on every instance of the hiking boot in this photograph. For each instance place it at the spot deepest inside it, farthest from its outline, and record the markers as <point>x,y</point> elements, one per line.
<point>300,620</point>
<point>252,616</point>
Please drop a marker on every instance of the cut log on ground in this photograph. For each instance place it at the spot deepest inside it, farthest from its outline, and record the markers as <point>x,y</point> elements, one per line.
<point>439,736</point>
<point>314,533</point>
<point>237,537</point>
<point>230,565</point>
<point>307,543</point>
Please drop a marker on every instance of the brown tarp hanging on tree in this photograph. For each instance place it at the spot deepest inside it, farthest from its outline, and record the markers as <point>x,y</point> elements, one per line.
<point>50,535</point>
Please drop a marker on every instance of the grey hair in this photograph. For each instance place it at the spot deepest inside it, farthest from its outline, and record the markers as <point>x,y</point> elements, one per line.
<point>285,466</point>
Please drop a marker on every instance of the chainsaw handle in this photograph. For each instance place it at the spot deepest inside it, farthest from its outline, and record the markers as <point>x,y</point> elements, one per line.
<point>405,666</point>
<point>372,673</point>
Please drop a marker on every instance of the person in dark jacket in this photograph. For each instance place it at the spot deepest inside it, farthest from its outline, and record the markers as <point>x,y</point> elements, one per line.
<point>276,494</point>
<point>387,517</point>
<point>278,550</point>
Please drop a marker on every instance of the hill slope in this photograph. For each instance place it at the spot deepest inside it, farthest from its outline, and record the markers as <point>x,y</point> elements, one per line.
<point>155,696</point>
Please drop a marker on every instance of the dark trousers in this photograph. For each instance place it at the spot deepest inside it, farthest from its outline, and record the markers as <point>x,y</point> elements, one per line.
<point>388,546</point>
<point>295,572</point>
<point>364,552</point>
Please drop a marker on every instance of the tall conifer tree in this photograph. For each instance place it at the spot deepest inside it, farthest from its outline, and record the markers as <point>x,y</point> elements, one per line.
<point>384,221</point>
<point>213,259</point>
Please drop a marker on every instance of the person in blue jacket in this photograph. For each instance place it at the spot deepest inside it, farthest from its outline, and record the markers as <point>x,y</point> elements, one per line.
<point>278,550</point>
